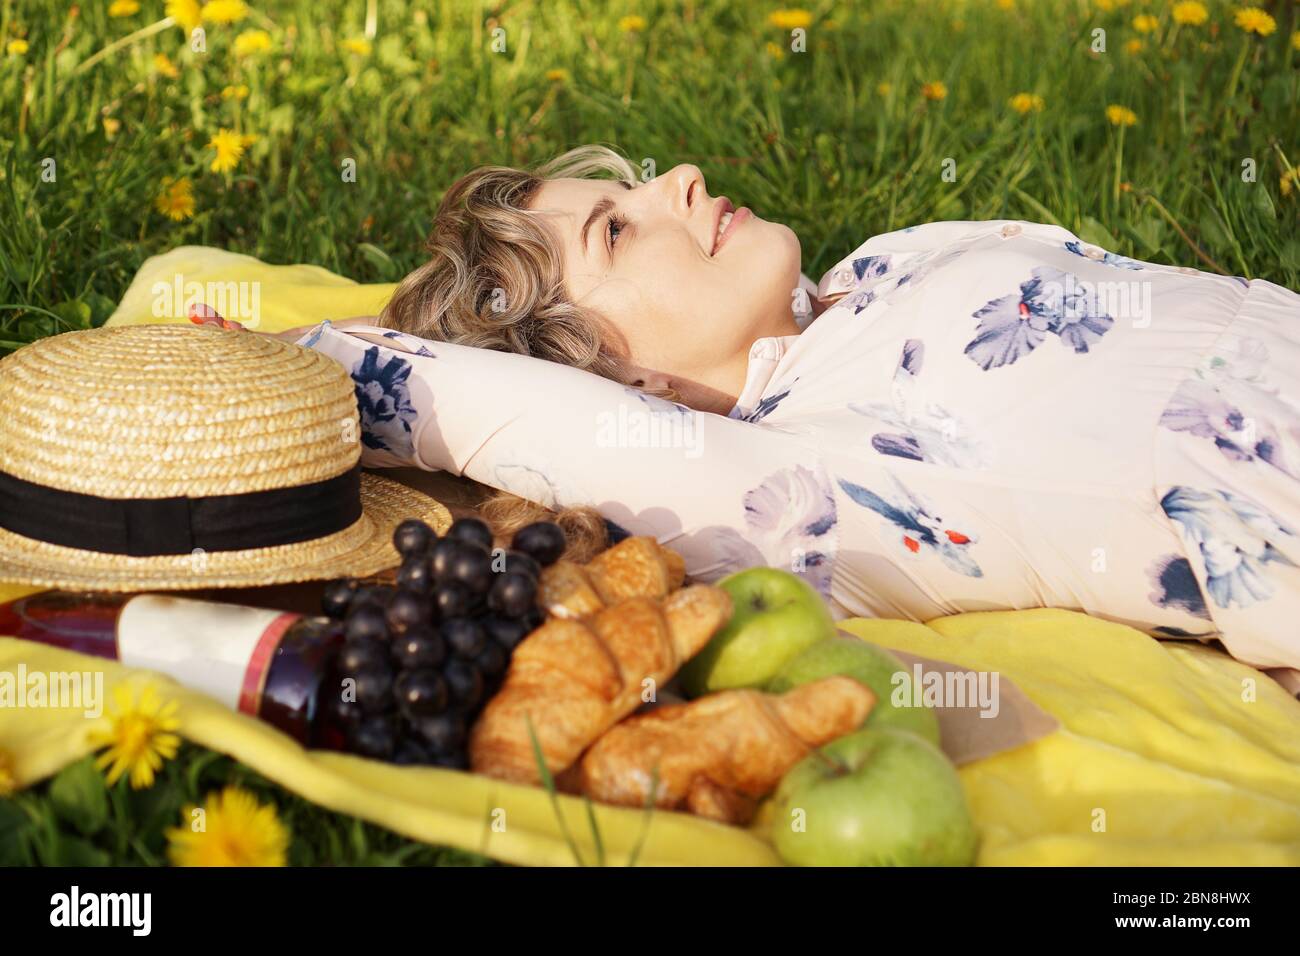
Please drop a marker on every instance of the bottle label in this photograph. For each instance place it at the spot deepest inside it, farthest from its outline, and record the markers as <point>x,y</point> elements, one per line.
<point>223,650</point>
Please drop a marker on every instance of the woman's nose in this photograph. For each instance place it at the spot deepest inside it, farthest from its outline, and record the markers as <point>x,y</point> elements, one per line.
<point>684,186</point>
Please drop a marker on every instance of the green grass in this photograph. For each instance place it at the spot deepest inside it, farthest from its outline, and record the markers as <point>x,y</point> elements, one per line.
<point>75,820</point>
<point>807,138</point>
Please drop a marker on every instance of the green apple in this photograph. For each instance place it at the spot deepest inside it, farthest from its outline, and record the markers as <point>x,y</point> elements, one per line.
<point>873,798</point>
<point>776,616</point>
<point>873,666</point>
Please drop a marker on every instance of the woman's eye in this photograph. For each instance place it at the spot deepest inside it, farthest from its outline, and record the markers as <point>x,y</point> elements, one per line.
<point>615,229</point>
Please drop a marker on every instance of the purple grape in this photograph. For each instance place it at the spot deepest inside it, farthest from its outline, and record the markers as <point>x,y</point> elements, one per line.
<point>443,733</point>
<point>419,647</point>
<point>491,660</point>
<point>337,596</point>
<point>374,689</point>
<point>469,565</point>
<point>512,594</point>
<point>366,623</point>
<point>416,574</point>
<point>408,610</point>
<point>374,736</point>
<point>464,636</point>
<point>421,693</point>
<point>464,683</point>
<point>506,631</point>
<point>471,531</point>
<point>517,561</point>
<point>542,540</point>
<point>412,537</point>
<point>356,656</point>
<point>452,599</point>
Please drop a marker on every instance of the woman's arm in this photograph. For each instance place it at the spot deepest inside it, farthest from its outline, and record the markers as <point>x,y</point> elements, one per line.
<point>727,494</point>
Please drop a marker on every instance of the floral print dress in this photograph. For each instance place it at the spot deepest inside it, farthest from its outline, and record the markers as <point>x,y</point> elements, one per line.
<point>991,415</point>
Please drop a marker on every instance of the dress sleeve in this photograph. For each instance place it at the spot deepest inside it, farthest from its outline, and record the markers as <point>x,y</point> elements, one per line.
<point>726,494</point>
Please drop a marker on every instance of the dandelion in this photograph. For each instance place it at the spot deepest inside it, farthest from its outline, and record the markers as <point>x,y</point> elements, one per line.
<point>8,777</point>
<point>111,127</point>
<point>224,11</point>
<point>1006,4</point>
<point>790,19</point>
<point>1120,115</point>
<point>774,50</point>
<point>186,13</point>
<point>558,75</point>
<point>1134,47</point>
<point>123,8</point>
<point>935,90</point>
<point>1295,40</point>
<point>358,46</point>
<point>1190,13</point>
<point>163,64</point>
<point>235,830</point>
<point>252,41</point>
<point>1289,181</point>
<point>229,148</point>
<point>1145,23</point>
<point>138,736</point>
<point>632,24</point>
<point>1106,6</point>
<point>1024,103</point>
<point>239,92</point>
<point>16,48</point>
<point>884,87</point>
<point>1255,20</point>
<point>176,201</point>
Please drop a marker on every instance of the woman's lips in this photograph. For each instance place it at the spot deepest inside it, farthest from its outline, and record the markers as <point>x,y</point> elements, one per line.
<point>738,218</point>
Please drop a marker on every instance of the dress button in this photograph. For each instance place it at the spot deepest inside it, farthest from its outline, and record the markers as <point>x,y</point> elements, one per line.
<point>845,275</point>
<point>1011,229</point>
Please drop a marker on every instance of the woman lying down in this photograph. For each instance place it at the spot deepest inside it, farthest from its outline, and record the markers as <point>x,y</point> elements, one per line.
<point>960,416</point>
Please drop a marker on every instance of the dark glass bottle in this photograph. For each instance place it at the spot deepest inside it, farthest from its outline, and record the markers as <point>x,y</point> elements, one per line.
<point>268,664</point>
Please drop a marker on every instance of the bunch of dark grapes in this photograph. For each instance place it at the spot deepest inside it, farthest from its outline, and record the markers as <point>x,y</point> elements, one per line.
<point>428,653</point>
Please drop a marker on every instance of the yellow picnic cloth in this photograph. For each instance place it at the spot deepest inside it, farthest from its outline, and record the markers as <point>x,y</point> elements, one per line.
<point>1167,754</point>
<point>1161,759</point>
<point>279,296</point>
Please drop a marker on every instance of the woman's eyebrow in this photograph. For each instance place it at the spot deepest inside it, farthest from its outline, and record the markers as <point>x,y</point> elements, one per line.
<point>602,207</point>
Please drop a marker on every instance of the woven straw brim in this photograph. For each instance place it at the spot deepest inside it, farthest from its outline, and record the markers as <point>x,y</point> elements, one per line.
<point>364,548</point>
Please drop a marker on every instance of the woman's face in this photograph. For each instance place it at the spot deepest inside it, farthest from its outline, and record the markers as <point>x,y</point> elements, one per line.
<point>686,299</point>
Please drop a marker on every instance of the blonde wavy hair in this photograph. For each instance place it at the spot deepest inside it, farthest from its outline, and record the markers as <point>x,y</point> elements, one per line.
<point>495,280</point>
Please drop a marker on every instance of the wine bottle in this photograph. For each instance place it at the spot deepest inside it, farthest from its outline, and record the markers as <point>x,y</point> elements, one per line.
<point>268,664</point>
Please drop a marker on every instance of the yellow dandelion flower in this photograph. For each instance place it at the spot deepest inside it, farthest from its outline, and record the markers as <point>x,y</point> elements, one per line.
<point>186,13</point>
<point>1134,47</point>
<point>1105,6</point>
<point>229,148</point>
<point>1289,180</point>
<point>790,19</point>
<point>884,87</point>
<point>233,829</point>
<point>1190,13</point>
<point>1295,40</point>
<point>17,48</point>
<point>176,201</point>
<point>1007,4</point>
<point>224,11</point>
<point>558,76</point>
<point>123,8</point>
<point>632,24</point>
<point>163,64</point>
<point>358,46</point>
<point>1024,103</point>
<point>1145,23</point>
<point>8,776</point>
<point>235,92</point>
<point>775,50</point>
<point>252,41</point>
<point>138,736</point>
<point>111,127</point>
<point>1120,115</point>
<point>935,90</point>
<point>1255,20</point>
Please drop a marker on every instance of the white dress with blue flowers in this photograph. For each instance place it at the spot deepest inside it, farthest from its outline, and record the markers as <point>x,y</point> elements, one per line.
<point>991,415</point>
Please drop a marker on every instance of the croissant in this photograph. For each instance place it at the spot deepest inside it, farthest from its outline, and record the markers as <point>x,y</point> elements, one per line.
<point>574,679</point>
<point>635,567</point>
<point>717,755</point>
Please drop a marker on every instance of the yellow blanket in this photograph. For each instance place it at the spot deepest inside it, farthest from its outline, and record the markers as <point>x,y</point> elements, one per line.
<point>1163,758</point>
<point>1167,753</point>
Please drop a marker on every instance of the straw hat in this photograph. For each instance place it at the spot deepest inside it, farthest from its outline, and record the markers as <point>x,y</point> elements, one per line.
<point>165,457</point>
